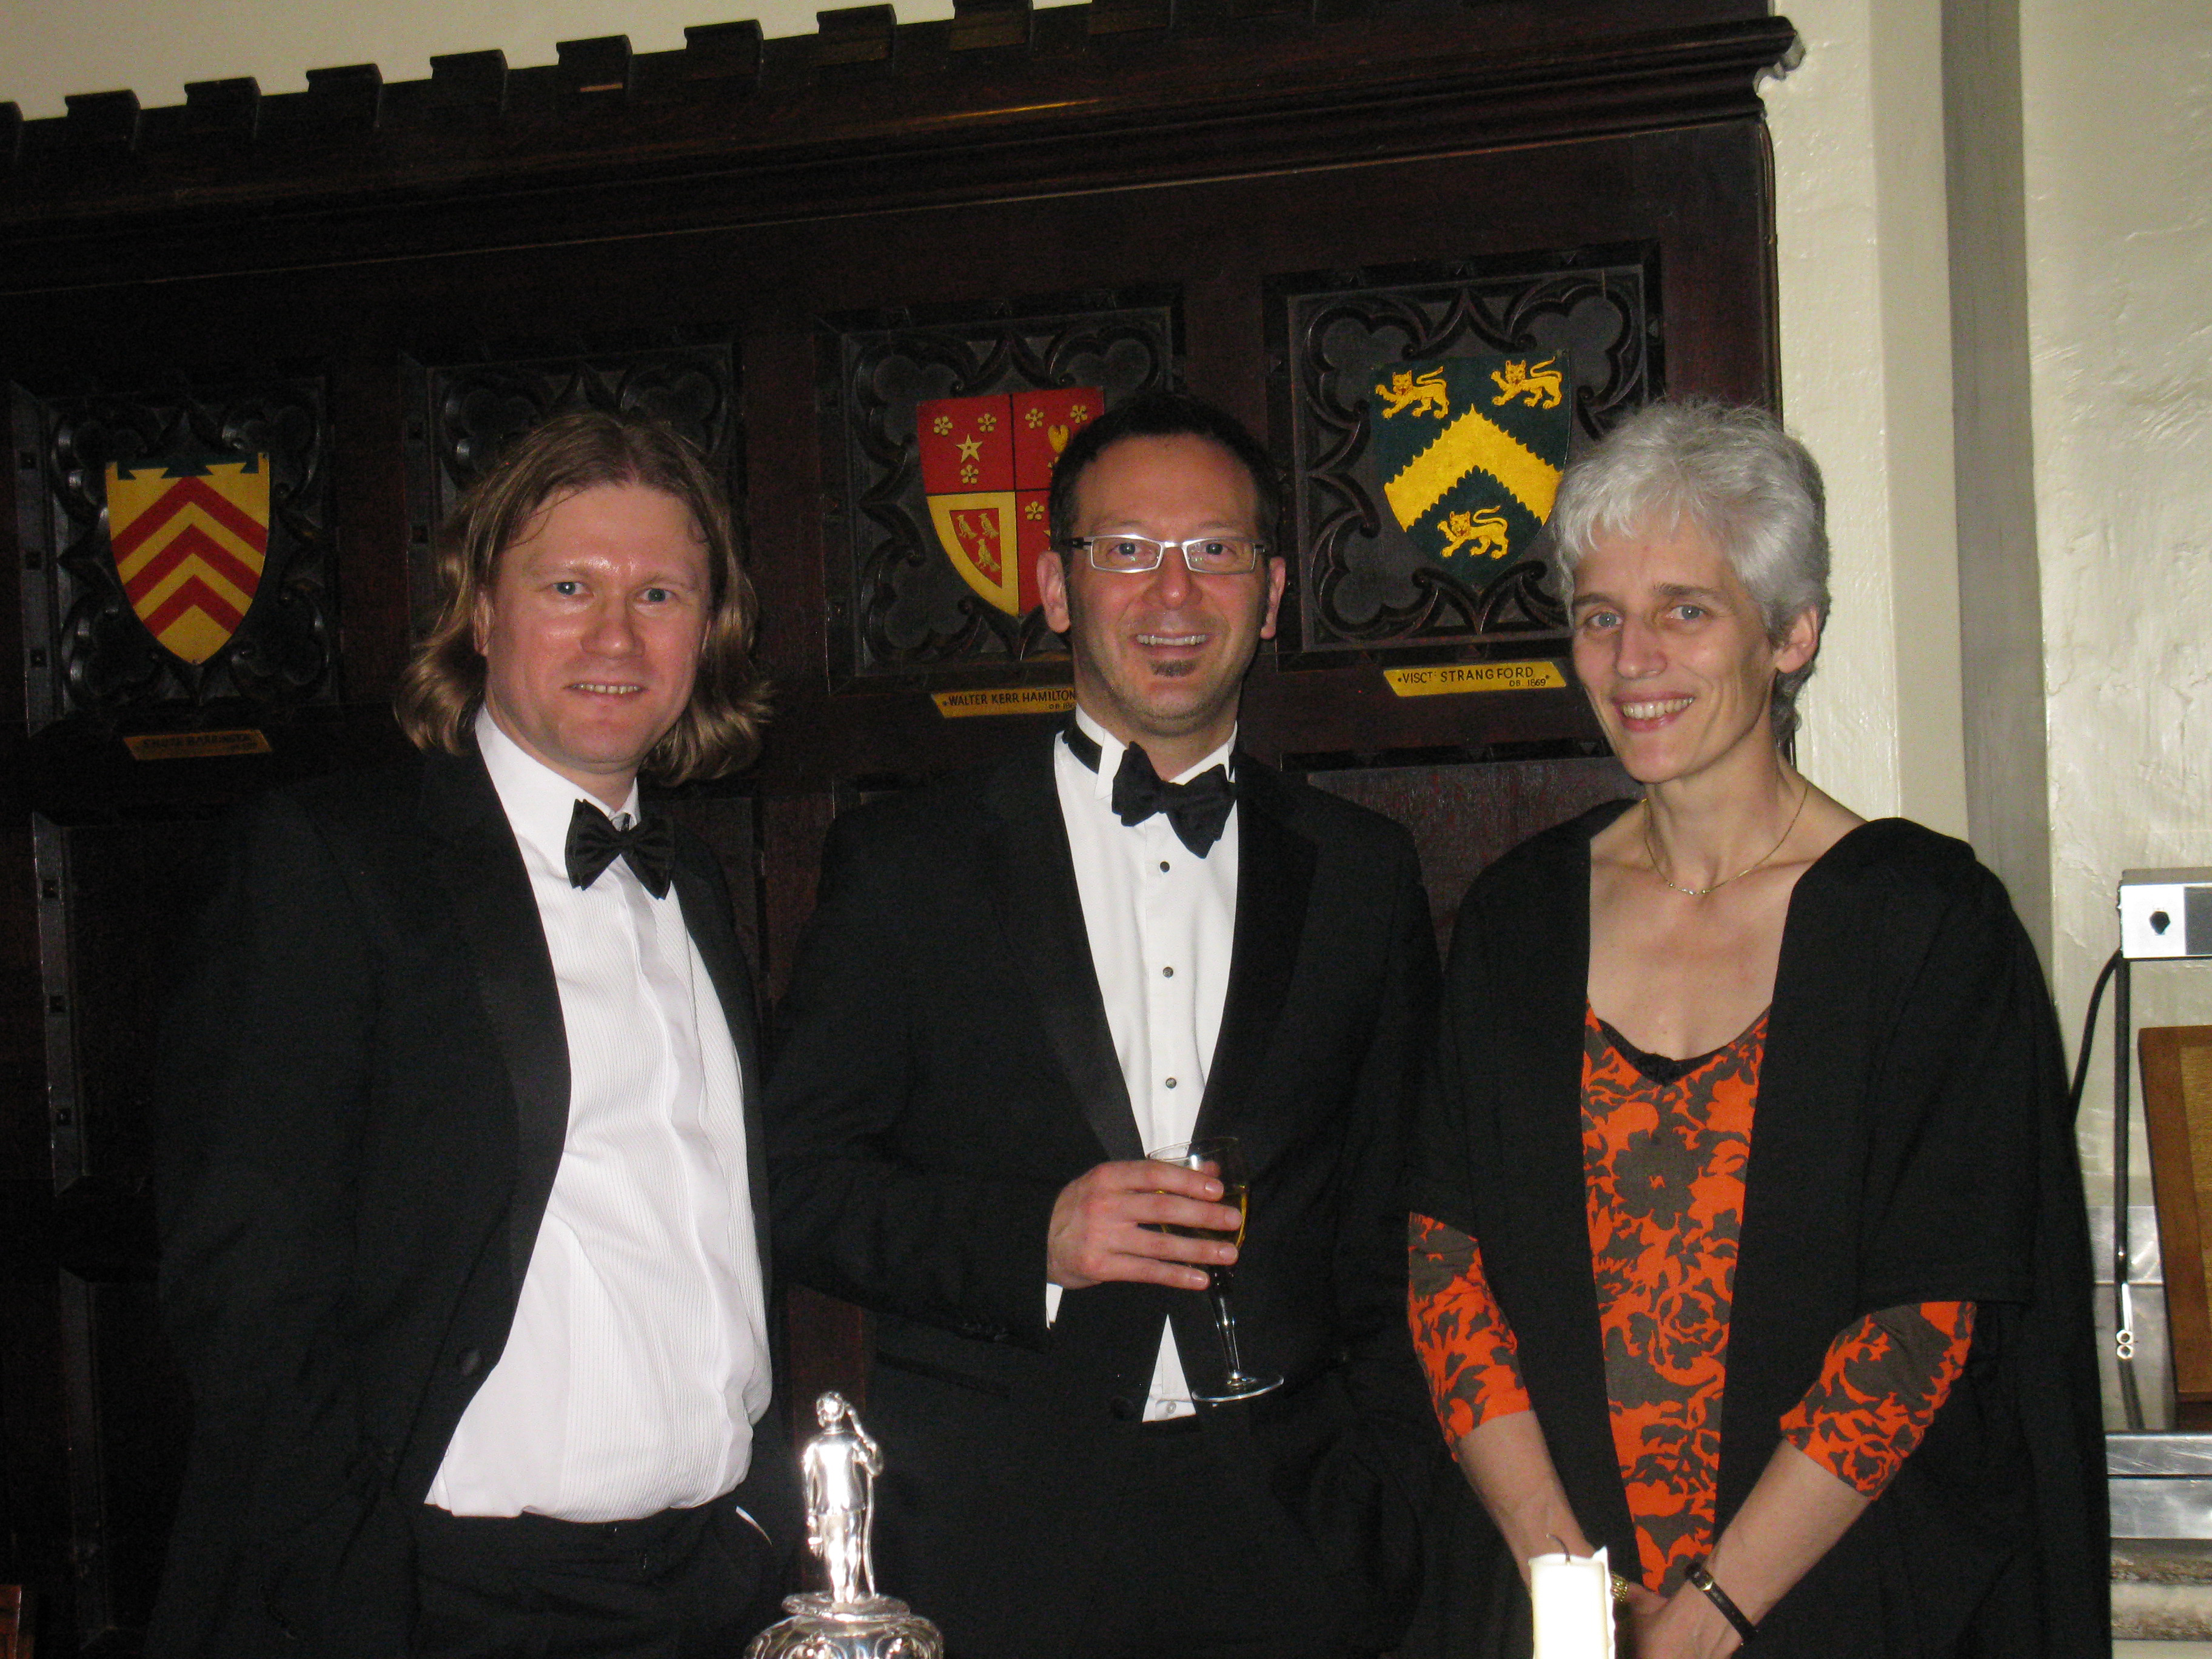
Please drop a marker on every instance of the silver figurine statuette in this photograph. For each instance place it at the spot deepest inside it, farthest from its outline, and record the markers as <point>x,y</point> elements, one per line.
<point>851,1621</point>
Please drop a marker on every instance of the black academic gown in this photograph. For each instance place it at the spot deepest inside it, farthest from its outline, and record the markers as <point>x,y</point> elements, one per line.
<point>948,1068</point>
<point>364,1099</point>
<point>1913,1144</point>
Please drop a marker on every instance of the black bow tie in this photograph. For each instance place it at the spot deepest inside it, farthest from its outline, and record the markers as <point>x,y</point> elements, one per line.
<point>1197,810</point>
<point>648,847</point>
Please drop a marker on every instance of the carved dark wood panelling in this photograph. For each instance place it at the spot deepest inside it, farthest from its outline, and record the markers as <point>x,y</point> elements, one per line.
<point>465,413</point>
<point>1333,336</point>
<point>454,256</point>
<point>1463,817</point>
<point>900,608</point>
<point>126,896</point>
<point>91,657</point>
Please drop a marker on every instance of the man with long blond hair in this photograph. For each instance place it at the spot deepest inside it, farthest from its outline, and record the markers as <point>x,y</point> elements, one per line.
<point>463,1220</point>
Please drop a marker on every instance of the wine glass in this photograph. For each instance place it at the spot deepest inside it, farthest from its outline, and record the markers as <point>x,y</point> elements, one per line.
<point>1223,1159</point>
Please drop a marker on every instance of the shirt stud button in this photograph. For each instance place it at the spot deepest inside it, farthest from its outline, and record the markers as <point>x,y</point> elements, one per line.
<point>1164,866</point>
<point>1167,973</point>
<point>1171,1083</point>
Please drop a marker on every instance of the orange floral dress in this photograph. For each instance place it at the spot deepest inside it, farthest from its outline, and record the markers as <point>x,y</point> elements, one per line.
<point>1665,1143</point>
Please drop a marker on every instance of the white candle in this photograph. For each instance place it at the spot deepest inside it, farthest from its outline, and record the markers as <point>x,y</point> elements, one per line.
<point>1573,1598</point>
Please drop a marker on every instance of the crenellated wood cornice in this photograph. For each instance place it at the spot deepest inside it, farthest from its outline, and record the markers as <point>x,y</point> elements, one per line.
<point>865,113</point>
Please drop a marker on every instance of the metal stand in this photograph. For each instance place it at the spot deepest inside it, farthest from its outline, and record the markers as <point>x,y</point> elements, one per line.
<point>2124,1318</point>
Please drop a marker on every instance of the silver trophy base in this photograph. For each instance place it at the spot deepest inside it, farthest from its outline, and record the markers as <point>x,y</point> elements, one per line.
<point>880,1627</point>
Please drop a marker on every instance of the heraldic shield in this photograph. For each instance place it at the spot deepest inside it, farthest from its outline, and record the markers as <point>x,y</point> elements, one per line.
<point>986,467</point>
<point>1470,450</point>
<point>189,541</point>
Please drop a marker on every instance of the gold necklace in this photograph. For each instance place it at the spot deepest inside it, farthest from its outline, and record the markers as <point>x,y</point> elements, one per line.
<point>1651,850</point>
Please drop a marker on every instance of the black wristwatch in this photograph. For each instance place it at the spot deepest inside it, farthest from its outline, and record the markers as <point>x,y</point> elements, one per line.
<point>1720,1598</point>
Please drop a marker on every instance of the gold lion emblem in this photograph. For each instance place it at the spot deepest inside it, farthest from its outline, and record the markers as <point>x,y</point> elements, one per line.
<point>1482,533</point>
<point>1426,396</point>
<point>1538,382</point>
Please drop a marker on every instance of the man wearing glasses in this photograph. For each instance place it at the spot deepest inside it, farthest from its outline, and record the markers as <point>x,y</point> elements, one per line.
<point>1017,983</point>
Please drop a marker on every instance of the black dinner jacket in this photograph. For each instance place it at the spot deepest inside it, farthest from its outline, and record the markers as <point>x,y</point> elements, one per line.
<point>946,1068</point>
<point>364,1100</point>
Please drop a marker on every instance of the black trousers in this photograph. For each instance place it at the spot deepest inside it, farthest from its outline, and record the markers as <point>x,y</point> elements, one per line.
<point>682,1584</point>
<point>1192,1570</point>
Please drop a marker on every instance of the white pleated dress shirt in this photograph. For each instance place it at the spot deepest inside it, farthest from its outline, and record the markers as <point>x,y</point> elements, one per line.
<point>639,1358</point>
<point>1162,923</point>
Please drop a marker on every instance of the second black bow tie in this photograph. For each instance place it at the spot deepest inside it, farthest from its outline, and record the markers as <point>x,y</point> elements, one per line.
<point>648,847</point>
<point>1198,809</point>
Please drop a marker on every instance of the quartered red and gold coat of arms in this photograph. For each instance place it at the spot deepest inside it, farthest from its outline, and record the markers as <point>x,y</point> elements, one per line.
<point>190,540</point>
<point>986,468</point>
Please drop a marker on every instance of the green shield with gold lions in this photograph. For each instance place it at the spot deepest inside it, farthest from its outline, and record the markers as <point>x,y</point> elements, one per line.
<point>1469,451</point>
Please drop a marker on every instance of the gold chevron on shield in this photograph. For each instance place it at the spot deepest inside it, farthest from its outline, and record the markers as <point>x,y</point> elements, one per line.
<point>1473,442</point>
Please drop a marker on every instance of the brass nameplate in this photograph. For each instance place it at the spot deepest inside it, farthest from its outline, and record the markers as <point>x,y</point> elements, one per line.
<point>1453,677</point>
<point>194,746</point>
<point>1012,700</point>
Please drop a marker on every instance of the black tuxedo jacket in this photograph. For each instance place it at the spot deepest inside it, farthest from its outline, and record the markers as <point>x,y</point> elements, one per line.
<point>947,1068</point>
<point>364,1100</point>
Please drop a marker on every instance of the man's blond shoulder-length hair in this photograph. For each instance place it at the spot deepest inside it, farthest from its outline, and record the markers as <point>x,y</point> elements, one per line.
<point>442,685</point>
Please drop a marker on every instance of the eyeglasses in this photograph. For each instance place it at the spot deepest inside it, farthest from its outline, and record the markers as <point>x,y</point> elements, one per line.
<point>1203,555</point>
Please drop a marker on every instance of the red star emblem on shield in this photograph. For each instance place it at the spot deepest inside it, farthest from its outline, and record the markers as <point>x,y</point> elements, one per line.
<point>986,470</point>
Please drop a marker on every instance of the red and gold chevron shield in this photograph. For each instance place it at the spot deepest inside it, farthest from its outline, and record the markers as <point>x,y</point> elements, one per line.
<point>986,470</point>
<point>189,542</point>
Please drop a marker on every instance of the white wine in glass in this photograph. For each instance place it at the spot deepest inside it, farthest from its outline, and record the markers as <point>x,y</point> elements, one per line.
<point>1221,1157</point>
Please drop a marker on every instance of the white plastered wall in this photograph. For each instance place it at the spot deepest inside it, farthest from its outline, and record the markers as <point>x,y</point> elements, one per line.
<point>1866,369</point>
<point>2118,158</point>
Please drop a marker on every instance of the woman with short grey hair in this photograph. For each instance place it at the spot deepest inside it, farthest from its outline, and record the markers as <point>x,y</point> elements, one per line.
<point>1733,472</point>
<point>1743,1098</point>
